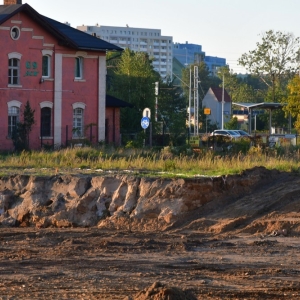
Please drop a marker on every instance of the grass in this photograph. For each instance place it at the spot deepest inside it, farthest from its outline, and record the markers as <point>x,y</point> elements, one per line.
<point>165,163</point>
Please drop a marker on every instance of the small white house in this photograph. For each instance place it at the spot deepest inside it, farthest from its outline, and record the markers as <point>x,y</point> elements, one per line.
<point>213,100</point>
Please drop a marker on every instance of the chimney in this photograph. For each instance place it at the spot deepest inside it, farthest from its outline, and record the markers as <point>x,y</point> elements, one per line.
<point>12,2</point>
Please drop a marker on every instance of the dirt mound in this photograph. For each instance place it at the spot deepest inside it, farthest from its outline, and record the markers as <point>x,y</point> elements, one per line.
<point>159,291</point>
<point>256,201</point>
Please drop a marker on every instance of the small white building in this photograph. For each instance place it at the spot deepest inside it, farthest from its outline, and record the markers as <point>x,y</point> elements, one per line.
<point>213,100</point>
<point>158,47</point>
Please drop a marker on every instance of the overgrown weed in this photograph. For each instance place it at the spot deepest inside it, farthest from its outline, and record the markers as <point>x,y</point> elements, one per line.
<point>174,161</point>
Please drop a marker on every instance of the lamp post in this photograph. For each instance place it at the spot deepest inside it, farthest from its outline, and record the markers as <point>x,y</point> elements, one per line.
<point>223,101</point>
<point>223,104</point>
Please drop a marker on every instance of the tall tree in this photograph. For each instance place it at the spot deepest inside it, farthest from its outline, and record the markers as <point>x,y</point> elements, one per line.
<point>274,60</point>
<point>238,90</point>
<point>20,135</point>
<point>172,111</point>
<point>293,101</point>
<point>133,81</point>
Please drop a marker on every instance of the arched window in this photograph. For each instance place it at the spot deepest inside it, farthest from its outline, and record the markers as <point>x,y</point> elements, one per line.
<point>13,119</point>
<point>78,123</point>
<point>46,122</point>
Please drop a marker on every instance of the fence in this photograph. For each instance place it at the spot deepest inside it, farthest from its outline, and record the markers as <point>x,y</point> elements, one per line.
<point>41,139</point>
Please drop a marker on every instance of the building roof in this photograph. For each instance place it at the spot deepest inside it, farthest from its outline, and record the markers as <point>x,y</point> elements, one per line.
<point>218,92</point>
<point>262,105</point>
<point>112,101</point>
<point>65,34</point>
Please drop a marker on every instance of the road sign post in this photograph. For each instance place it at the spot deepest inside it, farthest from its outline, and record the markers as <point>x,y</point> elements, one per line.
<point>145,122</point>
<point>207,112</point>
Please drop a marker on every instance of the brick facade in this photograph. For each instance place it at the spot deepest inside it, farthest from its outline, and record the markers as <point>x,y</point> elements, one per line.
<point>67,92</point>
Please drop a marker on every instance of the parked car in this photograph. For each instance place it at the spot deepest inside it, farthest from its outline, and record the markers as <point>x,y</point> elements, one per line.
<point>243,133</point>
<point>224,132</point>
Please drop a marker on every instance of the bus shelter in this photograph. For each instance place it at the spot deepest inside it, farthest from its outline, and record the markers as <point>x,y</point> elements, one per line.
<point>263,105</point>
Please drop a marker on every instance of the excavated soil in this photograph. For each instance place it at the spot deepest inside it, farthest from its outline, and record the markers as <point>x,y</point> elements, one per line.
<point>244,247</point>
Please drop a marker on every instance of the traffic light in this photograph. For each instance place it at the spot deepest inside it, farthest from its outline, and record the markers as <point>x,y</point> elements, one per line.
<point>156,88</point>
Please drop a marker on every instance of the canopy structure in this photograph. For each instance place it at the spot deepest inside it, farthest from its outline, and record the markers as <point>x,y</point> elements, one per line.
<point>263,105</point>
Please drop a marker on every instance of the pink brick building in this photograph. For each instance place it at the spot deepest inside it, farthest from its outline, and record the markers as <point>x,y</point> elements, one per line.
<point>61,71</point>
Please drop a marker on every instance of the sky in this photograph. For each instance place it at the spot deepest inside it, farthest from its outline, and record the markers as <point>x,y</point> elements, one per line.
<point>224,28</point>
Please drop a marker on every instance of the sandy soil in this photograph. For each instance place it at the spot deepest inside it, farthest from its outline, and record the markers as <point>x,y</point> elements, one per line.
<point>238,248</point>
<point>92,263</point>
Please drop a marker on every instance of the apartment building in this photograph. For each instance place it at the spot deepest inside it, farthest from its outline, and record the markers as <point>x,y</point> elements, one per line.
<point>187,54</point>
<point>158,47</point>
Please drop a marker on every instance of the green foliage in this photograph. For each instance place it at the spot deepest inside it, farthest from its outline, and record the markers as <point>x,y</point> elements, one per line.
<point>293,101</point>
<point>242,145</point>
<point>232,124</point>
<point>274,60</point>
<point>132,80</point>
<point>205,162</point>
<point>172,112</point>
<point>20,135</point>
<point>169,165</point>
<point>238,90</point>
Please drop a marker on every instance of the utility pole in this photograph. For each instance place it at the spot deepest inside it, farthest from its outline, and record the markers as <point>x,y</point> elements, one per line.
<point>196,102</point>
<point>156,99</point>
<point>223,104</point>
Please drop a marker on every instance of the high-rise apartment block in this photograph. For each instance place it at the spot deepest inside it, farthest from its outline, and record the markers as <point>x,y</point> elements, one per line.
<point>188,54</point>
<point>146,40</point>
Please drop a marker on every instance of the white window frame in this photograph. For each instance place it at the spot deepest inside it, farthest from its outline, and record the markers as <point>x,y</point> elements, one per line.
<point>48,54</point>
<point>78,120</point>
<point>14,108</point>
<point>14,56</point>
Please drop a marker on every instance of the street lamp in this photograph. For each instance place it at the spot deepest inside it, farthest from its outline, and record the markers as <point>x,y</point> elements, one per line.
<point>222,112</point>
<point>223,103</point>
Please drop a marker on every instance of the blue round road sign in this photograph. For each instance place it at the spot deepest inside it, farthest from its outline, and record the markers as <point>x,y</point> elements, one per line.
<point>145,122</point>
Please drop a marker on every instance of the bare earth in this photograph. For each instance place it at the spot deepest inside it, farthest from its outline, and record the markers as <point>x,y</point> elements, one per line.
<point>216,253</point>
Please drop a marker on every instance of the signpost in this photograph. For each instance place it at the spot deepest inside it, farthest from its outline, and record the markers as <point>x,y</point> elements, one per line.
<point>207,111</point>
<point>145,122</point>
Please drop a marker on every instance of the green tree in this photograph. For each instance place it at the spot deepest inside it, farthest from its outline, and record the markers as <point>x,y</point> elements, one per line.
<point>172,112</point>
<point>133,81</point>
<point>232,124</point>
<point>20,136</point>
<point>274,60</point>
<point>238,90</point>
<point>293,101</point>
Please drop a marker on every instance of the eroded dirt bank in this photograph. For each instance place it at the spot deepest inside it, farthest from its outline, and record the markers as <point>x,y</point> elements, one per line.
<point>122,237</point>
